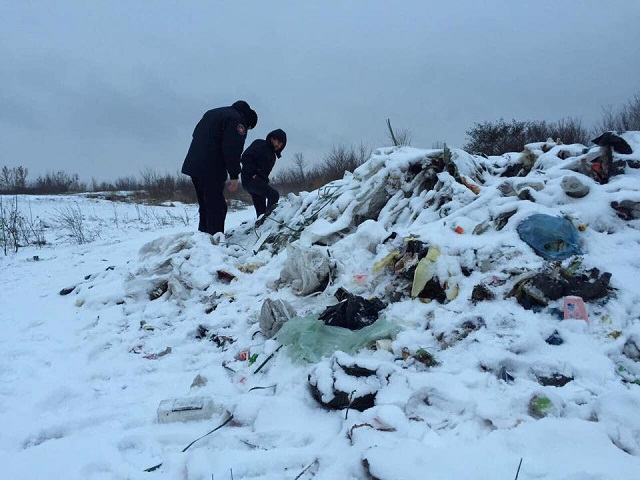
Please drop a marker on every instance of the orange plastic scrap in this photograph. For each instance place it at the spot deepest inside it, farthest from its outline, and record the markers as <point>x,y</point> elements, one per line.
<point>471,186</point>
<point>459,230</point>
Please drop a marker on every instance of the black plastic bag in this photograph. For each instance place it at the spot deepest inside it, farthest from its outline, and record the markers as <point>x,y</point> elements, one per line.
<point>354,312</point>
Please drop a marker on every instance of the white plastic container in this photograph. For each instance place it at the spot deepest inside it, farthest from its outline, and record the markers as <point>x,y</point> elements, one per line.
<point>185,409</point>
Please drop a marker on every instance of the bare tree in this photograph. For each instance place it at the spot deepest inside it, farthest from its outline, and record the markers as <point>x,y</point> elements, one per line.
<point>13,180</point>
<point>299,162</point>
<point>626,118</point>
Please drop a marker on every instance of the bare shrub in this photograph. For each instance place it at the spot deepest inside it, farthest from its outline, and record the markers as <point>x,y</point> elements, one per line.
<point>18,230</point>
<point>334,165</point>
<point>294,179</point>
<point>341,159</point>
<point>570,130</point>
<point>8,225</point>
<point>185,191</point>
<point>496,138</point>
<point>31,229</point>
<point>163,187</point>
<point>625,118</point>
<point>158,186</point>
<point>127,184</point>
<point>170,218</point>
<point>71,219</point>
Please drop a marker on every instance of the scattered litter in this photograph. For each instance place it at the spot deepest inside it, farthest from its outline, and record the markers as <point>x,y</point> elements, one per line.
<point>158,290</point>
<point>481,293</point>
<point>613,140</point>
<point>67,291</point>
<point>199,381</point>
<point>554,380</point>
<point>145,326</point>
<point>309,339</point>
<point>359,278</point>
<point>554,339</point>
<point>554,283</point>
<point>224,276</point>
<point>244,355</point>
<point>250,267</point>
<point>186,409</point>
<point>574,187</point>
<point>354,313</point>
<point>155,356</point>
<point>540,406</point>
<point>627,209</point>
<point>424,272</point>
<point>424,357</point>
<point>553,238</point>
<point>329,379</point>
<point>273,314</point>
<point>574,309</point>
<point>384,344</point>
<point>631,350</point>
<point>505,376</point>
<point>306,269</point>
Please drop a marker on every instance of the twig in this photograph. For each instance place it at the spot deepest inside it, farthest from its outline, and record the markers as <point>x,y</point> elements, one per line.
<point>518,472</point>
<point>267,359</point>
<point>306,468</point>
<point>359,425</point>
<point>346,415</point>
<point>155,467</point>
<point>535,374</point>
<point>261,388</point>
<point>229,244</point>
<point>209,433</point>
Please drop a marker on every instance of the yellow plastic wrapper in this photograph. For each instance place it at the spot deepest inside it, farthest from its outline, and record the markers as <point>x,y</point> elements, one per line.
<point>390,258</point>
<point>424,271</point>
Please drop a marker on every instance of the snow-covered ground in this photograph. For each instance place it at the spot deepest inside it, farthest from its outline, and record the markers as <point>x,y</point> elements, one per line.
<point>151,316</point>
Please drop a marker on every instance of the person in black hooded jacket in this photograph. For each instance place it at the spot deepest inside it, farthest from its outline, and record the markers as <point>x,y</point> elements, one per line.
<point>214,155</point>
<point>257,162</point>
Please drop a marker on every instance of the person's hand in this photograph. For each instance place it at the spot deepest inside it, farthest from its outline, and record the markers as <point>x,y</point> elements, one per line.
<point>233,185</point>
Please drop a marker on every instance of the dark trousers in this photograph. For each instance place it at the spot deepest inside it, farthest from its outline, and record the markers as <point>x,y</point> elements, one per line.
<point>212,204</point>
<point>264,196</point>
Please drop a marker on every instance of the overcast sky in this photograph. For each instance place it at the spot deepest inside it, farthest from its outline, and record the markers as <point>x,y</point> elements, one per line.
<point>108,88</point>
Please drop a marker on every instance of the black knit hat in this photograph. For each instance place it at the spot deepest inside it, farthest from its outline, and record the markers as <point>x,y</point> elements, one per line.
<point>247,112</point>
<point>280,135</point>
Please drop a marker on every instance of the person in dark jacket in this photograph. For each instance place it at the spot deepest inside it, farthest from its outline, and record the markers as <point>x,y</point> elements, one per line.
<point>257,162</point>
<point>214,154</point>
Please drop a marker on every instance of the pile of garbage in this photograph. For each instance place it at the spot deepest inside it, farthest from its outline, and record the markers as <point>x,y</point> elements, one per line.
<point>405,266</point>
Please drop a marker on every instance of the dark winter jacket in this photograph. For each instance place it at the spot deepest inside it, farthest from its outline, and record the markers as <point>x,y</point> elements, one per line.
<point>217,143</point>
<point>260,157</point>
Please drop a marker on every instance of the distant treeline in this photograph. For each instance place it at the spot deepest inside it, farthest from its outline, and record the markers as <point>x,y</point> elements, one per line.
<point>154,187</point>
<point>488,138</point>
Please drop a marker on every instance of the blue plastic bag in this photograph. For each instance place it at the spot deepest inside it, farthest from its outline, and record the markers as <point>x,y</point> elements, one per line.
<point>553,238</point>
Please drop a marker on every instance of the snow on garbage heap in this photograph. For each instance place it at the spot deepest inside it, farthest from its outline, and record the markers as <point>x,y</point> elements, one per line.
<point>491,355</point>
